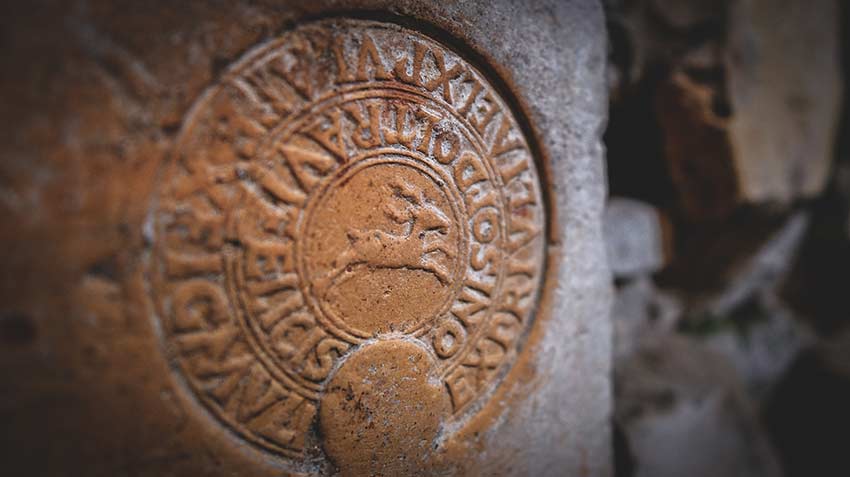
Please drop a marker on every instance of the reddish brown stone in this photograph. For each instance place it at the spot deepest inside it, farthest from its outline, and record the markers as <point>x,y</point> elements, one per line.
<point>750,115</point>
<point>221,222</point>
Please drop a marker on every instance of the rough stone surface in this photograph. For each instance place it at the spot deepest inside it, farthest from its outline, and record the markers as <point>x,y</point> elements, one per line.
<point>96,98</point>
<point>784,89</point>
<point>642,314</point>
<point>684,412</point>
<point>747,94</point>
<point>636,237</point>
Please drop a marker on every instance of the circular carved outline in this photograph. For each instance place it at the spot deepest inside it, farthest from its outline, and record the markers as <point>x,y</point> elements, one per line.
<point>357,164</point>
<point>254,57</point>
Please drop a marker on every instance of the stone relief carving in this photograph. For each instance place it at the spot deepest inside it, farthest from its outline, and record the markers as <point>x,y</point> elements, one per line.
<point>349,195</point>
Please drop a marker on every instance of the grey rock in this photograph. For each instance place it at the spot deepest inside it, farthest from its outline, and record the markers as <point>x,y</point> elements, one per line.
<point>634,237</point>
<point>683,412</point>
<point>784,84</point>
<point>641,314</point>
<point>766,347</point>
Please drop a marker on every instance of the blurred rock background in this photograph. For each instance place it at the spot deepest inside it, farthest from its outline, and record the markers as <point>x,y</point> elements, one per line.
<point>728,236</point>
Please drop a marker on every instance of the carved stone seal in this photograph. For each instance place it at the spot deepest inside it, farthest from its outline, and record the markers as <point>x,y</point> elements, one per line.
<point>350,234</point>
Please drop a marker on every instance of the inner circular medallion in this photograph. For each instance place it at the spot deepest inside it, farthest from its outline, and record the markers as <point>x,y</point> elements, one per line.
<point>381,247</point>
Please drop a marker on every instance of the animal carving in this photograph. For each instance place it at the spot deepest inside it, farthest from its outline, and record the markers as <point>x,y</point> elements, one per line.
<point>422,245</point>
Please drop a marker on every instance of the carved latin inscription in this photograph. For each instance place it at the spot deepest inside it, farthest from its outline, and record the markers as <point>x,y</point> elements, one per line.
<point>348,184</point>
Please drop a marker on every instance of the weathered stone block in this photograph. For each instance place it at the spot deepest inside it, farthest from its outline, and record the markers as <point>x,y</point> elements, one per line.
<point>637,237</point>
<point>784,91</point>
<point>684,412</point>
<point>265,239</point>
<point>642,314</point>
<point>748,95</point>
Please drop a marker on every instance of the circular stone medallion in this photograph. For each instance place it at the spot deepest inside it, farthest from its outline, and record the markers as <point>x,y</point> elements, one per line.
<point>352,192</point>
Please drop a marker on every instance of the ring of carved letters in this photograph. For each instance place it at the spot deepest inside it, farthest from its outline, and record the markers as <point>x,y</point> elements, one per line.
<point>246,270</point>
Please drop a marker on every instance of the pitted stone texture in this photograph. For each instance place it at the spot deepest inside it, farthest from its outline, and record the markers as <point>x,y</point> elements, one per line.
<point>383,406</point>
<point>96,95</point>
